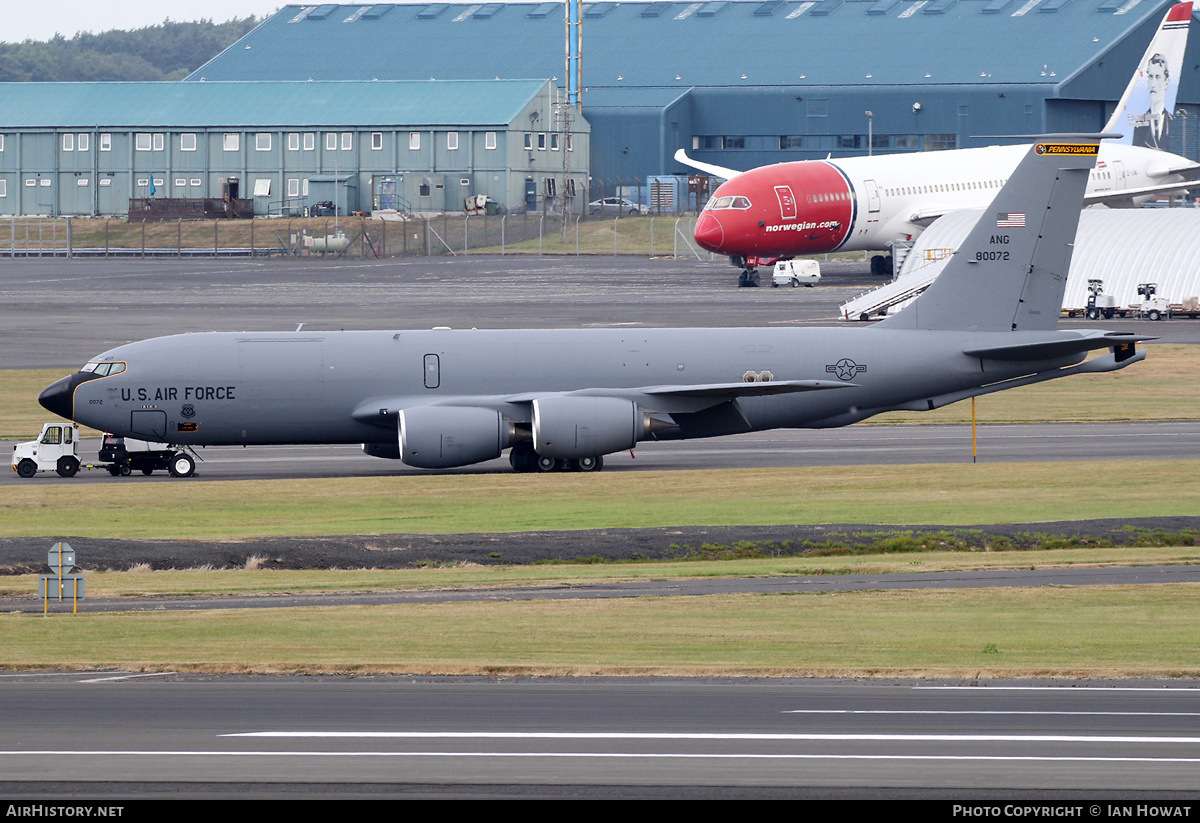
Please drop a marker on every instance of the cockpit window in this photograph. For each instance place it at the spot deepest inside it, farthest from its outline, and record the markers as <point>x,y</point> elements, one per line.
<point>738,202</point>
<point>104,369</point>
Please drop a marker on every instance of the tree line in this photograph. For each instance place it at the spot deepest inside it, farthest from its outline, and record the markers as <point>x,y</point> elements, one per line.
<point>169,51</point>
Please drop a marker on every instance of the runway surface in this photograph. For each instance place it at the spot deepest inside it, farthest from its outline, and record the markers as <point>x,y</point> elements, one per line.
<point>129,735</point>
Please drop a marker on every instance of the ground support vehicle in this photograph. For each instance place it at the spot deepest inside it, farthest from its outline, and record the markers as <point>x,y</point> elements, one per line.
<point>57,450</point>
<point>796,273</point>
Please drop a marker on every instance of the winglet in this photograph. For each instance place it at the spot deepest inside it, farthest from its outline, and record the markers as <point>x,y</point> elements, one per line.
<point>1143,115</point>
<point>708,168</point>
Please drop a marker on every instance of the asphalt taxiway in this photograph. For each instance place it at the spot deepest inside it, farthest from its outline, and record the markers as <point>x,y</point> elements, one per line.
<point>130,735</point>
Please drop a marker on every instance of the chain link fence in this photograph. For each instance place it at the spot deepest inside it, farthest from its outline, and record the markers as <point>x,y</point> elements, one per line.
<point>667,235</point>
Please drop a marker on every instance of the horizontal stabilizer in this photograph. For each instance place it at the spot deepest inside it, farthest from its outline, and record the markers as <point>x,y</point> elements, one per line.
<point>1051,349</point>
<point>1117,195</point>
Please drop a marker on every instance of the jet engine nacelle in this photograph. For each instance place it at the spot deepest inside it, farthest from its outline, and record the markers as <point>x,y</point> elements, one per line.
<point>442,437</point>
<point>571,427</point>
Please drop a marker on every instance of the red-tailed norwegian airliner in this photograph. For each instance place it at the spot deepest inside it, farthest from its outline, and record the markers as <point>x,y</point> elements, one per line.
<point>866,203</point>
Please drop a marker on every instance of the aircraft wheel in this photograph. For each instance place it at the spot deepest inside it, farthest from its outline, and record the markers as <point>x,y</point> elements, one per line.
<point>588,464</point>
<point>67,466</point>
<point>26,468</point>
<point>520,457</point>
<point>543,464</point>
<point>752,279</point>
<point>181,465</point>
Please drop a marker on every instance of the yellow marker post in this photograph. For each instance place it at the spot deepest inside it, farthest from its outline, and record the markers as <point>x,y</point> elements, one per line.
<point>974,450</point>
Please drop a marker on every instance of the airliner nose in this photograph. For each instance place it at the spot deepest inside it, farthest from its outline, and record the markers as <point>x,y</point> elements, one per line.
<point>709,233</point>
<point>58,397</point>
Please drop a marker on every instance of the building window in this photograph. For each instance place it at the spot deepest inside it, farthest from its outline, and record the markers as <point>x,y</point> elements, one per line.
<point>82,142</point>
<point>347,140</point>
<point>310,140</point>
<point>262,141</point>
<point>1,142</point>
<point>158,142</point>
<point>141,141</point>
<point>554,141</point>
<point>908,141</point>
<point>262,187</point>
<point>541,141</point>
<point>105,181</point>
<point>81,182</point>
<point>68,142</point>
<point>180,182</point>
<point>293,187</point>
<point>528,141</point>
<point>304,187</point>
<point>849,141</point>
<point>195,182</point>
<point>451,141</point>
<point>187,141</point>
<point>30,182</point>
<point>941,142</point>
<point>331,141</point>
<point>414,140</point>
<point>376,140</point>
<point>791,141</point>
<point>705,142</point>
<point>733,142</point>
<point>3,188</point>
<point>294,141</point>
<point>489,140</point>
<point>232,141</point>
<point>105,142</point>
<point>44,182</point>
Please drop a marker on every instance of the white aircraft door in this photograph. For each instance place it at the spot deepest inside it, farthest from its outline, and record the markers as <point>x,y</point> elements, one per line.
<point>1118,173</point>
<point>787,202</point>
<point>872,196</point>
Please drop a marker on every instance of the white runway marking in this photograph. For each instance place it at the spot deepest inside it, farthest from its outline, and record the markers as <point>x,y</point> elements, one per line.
<point>1056,714</point>
<point>606,755</point>
<point>786,736</point>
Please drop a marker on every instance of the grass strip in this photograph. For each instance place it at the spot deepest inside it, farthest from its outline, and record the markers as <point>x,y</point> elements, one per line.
<point>1101,632</point>
<point>139,581</point>
<point>448,504</point>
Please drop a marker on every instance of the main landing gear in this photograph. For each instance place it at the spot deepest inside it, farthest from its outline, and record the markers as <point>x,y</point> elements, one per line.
<point>748,278</point>
<point>524,459</point>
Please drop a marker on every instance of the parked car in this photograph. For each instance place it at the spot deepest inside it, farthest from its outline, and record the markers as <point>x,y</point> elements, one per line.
<point>617,205</point>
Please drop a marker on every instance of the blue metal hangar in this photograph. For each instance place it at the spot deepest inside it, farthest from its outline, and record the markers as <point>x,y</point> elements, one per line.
<point>412,145</point>
<point>743,84</point>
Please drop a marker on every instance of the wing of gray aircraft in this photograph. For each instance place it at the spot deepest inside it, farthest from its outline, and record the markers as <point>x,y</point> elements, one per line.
<point>561,399</point>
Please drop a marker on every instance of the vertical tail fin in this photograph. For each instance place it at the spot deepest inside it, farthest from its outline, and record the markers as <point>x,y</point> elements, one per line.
<point>1010,272</point>
<point>1143,116</point>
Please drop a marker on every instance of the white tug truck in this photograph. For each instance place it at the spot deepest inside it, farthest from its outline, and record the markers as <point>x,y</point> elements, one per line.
<point>57,450</point>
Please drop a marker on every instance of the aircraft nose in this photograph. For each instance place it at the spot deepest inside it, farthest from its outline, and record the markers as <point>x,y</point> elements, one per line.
<point>709,232</point>
<point>58,397</point>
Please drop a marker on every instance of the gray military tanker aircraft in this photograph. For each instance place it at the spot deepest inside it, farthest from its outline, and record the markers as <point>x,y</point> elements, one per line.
<point>562,399</point>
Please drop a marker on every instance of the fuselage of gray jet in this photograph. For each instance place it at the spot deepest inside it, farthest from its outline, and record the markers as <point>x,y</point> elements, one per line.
<point>620,386</point>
